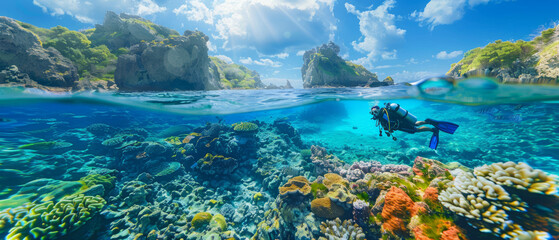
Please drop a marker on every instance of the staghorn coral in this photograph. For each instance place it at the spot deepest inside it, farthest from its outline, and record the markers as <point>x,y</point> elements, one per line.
<point>488,206</point>
<point>51,220</point>
<point>519,175</point>
<point>336,229</point>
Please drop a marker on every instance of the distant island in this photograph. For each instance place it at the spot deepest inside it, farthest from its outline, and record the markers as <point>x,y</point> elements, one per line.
<point>532,62</point>
<point>324,68</point>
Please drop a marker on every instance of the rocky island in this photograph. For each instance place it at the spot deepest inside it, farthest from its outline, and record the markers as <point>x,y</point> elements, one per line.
<point>535,61</point>
<point>324,68</point>
<point>126,53</point>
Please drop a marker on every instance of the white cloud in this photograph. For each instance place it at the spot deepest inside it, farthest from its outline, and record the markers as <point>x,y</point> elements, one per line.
<point>283,55</point>
<point>379,32</point>
<point>147,7</point>
<point>225,58</point>
<point>198,11</point>
<point>262,62</point>
<point>211,47</point>
<point>439,12</point>
<point>407,76</point>
<point>94,11</point>
<point>268,26</point>
<point>301,53</point>
<point>451,55</point>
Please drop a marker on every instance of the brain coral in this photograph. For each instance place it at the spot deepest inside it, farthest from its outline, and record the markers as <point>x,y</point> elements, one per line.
<point>51,221</point>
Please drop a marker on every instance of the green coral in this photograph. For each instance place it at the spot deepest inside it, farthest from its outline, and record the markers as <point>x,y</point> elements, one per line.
<point>93,179</point>
<point>50,220</point>
<point>201,219</point>
<point>218,222</point>
<point>245,127</point>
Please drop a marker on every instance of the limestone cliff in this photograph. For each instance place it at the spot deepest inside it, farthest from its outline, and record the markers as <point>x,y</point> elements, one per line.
<point>22,48</point>
<point>536,61</point>
<point>323,67</point>
<point>176,63</point>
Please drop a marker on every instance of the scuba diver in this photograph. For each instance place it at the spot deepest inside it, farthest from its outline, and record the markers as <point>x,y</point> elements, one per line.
<point>392,117</point>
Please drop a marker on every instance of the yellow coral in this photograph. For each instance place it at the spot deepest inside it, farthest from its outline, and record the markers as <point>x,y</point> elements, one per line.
<point>245,127</point>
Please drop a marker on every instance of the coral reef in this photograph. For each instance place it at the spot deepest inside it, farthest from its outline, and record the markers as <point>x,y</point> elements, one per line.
<point>487,206</point>
<point>336,229</point>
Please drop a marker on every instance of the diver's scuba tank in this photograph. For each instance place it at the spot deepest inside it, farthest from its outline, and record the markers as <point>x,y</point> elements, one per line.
<point>402,113</point>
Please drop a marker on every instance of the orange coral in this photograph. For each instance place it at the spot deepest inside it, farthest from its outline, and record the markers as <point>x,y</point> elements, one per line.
<point>431,193</point>
<point>419,235</point>
<point>398,207</point>
<point>325,208</point>
<point>453,233</point>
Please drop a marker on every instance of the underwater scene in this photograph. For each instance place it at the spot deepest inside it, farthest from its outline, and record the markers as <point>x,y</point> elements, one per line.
<point>279,120</point>
<point>309,165</point>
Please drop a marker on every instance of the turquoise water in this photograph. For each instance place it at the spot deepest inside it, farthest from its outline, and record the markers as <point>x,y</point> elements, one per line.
<point>137,140</point>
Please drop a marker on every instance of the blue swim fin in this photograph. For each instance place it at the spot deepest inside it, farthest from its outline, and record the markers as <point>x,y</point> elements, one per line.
<point>434,140</point>
<point>446,127</point>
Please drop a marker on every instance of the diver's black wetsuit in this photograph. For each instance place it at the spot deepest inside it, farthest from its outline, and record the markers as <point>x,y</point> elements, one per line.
<point>396,122</point>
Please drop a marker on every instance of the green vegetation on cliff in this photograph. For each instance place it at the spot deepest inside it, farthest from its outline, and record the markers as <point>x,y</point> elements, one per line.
<point>95,61</point>
<point>502,54</point>
<point>496,55</point>
<point>233,76</point>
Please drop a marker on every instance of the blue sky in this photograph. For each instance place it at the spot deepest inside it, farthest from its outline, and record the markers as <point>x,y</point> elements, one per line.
<point>408,40</point>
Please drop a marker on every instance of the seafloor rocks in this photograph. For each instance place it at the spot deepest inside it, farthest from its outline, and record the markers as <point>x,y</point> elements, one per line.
<point>22,48</point>
<point>323,67</point>
<point>176,63</point>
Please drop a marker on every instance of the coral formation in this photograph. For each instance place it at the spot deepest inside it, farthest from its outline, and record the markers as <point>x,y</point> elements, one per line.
<point>336,229</point>
<point>482,200</point>
<point>51,220</point>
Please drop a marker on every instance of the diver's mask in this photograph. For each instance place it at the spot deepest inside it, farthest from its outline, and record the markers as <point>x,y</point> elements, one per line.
<point>375,110</point>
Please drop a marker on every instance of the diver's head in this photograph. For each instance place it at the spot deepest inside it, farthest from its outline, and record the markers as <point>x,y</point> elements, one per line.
<point>375,110</point>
